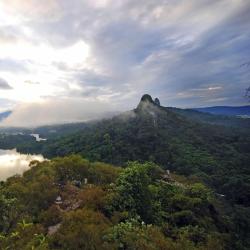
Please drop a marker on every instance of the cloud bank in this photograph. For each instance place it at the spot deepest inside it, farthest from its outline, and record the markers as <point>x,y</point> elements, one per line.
<point>58,111</point>
<point>12,163</point>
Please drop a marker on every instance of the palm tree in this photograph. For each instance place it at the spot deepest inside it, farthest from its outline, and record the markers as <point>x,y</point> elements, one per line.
<point>23,224</point>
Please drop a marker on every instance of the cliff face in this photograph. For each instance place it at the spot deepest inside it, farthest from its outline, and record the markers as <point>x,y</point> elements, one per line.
<point>157,102</point>
<point>149,100</point>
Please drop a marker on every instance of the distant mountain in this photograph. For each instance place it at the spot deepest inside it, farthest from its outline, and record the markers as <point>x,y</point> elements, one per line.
<point>4,115</point>
<point>226,110</point>
<point>227,121</point>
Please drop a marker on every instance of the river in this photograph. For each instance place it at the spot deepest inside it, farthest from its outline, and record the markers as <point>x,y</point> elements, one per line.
<point>38,138</point>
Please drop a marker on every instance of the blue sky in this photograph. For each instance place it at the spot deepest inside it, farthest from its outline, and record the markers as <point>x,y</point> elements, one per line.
<point>76,60</point>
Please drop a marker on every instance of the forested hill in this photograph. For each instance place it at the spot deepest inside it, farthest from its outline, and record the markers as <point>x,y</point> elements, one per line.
<point>241,123</point>
<point>152,132</point>
<point>70,203</point>
<point>227,110</point>
<point>216,155</point>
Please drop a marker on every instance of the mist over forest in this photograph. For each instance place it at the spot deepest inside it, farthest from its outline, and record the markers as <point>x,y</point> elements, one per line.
<point>124,125</point>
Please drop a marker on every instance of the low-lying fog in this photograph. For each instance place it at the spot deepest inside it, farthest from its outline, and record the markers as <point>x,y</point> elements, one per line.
<point>12,162</point>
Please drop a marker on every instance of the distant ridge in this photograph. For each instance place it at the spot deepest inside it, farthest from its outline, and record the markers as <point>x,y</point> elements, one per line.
<point>226,110</point>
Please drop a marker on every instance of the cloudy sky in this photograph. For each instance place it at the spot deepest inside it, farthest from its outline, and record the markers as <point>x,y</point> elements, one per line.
<point>74,60</point>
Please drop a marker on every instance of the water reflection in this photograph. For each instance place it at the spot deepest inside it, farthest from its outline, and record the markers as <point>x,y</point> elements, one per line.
<point>12,162</point>
<point>38,138</point>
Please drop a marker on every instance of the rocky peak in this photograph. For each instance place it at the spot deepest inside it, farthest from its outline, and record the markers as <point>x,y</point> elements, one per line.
<point>146,98</point>
<point>157,102</point>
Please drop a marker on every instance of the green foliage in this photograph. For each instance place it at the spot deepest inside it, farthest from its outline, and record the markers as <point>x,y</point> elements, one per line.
<point>184,141</point>
<point>133,192</point>
<point>7,212</point>
<point>207,208</point>
<point>133,234</point>
<point>51,216</point>
<point>131,208</point>
<point>25,236</point>
<point>81,229</point>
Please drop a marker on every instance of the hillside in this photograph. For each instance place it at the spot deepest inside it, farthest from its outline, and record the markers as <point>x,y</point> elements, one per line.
<point>186,142</point>
<point>217,155</point>
<point>69,203</point>
<point>49,131</point>
<point>226,110</point>
<point>231,122</point>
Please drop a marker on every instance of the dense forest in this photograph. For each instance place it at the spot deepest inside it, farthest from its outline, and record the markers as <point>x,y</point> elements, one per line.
<point>71,203</point>
<point>203,203</point>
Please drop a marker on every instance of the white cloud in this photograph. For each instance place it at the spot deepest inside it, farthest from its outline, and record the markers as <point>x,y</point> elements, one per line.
<point>54,111</point>
<point>12,163</point>
<point>23,10</point>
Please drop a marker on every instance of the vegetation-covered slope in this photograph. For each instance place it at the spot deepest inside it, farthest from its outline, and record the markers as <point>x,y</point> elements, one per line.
<point>229,122</point>
<point>217,155</point>
<point>227,110</point>
<point>70,203</point>
<point>183,142</point>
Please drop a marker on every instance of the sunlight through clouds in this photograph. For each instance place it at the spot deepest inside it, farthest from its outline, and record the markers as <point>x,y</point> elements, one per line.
<point>114,51</point>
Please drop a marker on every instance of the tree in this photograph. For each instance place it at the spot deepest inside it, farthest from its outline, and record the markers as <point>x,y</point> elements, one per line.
<point>133,189</point>
<point>134,234</point>
<point>8,212</point>
<point>81,229</point>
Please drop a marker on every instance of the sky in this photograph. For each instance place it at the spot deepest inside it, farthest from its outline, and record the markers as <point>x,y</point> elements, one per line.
<point>77,60</point>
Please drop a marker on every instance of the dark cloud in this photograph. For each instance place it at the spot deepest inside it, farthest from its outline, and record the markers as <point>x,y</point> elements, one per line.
<point>4,84</point>
<point>185,47</point>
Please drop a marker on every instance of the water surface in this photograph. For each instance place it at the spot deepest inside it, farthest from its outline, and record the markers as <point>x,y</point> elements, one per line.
<point>38,138</point>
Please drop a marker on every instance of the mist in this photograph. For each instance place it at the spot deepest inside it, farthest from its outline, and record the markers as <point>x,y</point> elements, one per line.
<point>12,163</point>
<point>61,111</point>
